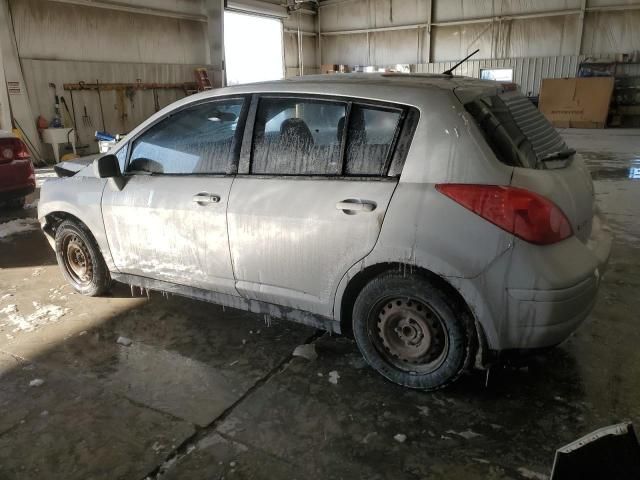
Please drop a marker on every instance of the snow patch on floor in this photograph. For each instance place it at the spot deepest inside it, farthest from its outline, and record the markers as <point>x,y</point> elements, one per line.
<point>42,315</point>
<point>526,473</point>
<point>333,377</point>
<point>18,225</point>
<point>467,434</point>
<point>400,437</point>
<point>307,351</point>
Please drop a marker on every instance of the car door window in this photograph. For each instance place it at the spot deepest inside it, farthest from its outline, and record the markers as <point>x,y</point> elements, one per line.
<point>370,136</point>
<point>197,140</point>
<point>294,136</point>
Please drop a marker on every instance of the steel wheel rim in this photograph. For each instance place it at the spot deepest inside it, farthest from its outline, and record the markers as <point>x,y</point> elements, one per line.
<point>408,334</point>
<point>77,259</point>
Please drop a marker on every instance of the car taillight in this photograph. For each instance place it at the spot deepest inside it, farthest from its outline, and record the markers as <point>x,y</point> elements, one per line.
<point>13,149</point>
<point>523,213</point>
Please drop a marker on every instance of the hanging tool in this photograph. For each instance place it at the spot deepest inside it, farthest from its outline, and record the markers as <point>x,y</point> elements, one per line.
<point>156,103</point>
<point>73,110</point>
<point>55,122</point>
<point>100,102</point>
<point>72,118</point>
<point>130,93</point>
<point>121,108</point>
<point>75,122</point>
<point>56,104</point>
<point>86,119</point>
<point>66,108</point>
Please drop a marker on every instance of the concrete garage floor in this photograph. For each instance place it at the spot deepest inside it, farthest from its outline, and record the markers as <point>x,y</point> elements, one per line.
<point>204,393</point>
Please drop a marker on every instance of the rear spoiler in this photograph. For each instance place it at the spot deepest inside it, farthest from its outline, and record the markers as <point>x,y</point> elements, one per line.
<point>471,90</point>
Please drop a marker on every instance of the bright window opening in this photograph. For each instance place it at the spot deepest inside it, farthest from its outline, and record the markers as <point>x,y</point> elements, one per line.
<point>497,74</point>
<point>248,60</point>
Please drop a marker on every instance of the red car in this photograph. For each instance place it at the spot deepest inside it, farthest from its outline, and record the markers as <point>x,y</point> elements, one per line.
<point>17,177</point>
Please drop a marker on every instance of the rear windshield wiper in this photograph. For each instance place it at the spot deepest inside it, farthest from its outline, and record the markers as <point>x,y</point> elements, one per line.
<point>559,155</point>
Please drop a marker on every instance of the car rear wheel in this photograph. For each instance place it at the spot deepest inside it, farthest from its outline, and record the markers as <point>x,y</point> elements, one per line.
<point>80,259</point>
<point>412,331</point>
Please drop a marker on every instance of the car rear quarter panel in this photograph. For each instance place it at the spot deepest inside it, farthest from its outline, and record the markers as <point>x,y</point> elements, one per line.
<point>426,229</point>
<point>80,196</point>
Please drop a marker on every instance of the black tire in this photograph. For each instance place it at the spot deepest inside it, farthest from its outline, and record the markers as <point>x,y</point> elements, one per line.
<point>413,332</point>
<point>80,259</point>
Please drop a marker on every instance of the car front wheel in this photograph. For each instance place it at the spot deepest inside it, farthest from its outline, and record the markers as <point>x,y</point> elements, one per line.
<point>412,331</point>
<point>80,259</point>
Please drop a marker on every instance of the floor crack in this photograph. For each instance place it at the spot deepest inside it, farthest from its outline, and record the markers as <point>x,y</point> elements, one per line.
<point>188,444</point>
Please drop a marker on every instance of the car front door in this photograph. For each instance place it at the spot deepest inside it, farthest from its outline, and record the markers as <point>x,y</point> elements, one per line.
<point>168,222</point>
<point>312,197</point>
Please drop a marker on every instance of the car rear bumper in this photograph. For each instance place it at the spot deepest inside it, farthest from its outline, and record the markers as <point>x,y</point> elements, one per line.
<point>534,297</point>
<point>543,318</point>
<point>538,318</point>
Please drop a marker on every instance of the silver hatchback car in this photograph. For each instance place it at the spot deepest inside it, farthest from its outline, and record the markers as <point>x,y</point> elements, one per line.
<point>436,219</point>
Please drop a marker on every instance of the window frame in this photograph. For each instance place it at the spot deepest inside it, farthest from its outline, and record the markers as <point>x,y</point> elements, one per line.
<point>403,136</point>
<point>236,145</point>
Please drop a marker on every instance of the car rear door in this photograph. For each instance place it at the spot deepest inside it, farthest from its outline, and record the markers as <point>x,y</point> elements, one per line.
<point>309,203</point>
<point>168,222</point>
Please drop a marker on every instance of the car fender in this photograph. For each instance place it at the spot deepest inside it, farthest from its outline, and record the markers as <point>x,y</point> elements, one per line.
<point>81,197</point>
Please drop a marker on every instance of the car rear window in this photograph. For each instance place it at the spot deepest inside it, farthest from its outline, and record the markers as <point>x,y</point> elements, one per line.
<point>515,129</point>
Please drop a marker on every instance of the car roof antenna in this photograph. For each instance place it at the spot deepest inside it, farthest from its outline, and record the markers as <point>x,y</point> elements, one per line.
<point>450,71</point>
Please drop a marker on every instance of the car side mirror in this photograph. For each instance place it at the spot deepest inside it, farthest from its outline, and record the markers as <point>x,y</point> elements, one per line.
<point>107,166</point>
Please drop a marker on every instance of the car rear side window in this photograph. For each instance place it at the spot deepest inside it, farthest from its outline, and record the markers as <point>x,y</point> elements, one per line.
<point>295,136</point>
<point>370,137</point>
<point>201,139</point>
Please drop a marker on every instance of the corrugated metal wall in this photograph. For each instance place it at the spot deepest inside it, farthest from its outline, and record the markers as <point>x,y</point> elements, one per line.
<point>64,43</point>
<point>381,47</point>
<point>499,28</point>
<point>527,72</point>
<point>58,31</point>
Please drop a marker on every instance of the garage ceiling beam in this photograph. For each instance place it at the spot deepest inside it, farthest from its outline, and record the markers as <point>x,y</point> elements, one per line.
<point>522,16</point>
<point>377,29</point>
<point>302,32</point>
<point>468,21</point>
<point>328,3</point>
<point>613,8</point>
<point>131,9</point>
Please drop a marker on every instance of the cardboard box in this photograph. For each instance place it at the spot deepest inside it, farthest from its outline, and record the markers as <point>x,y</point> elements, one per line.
<point>576,102</point>
<point>328,68</point>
